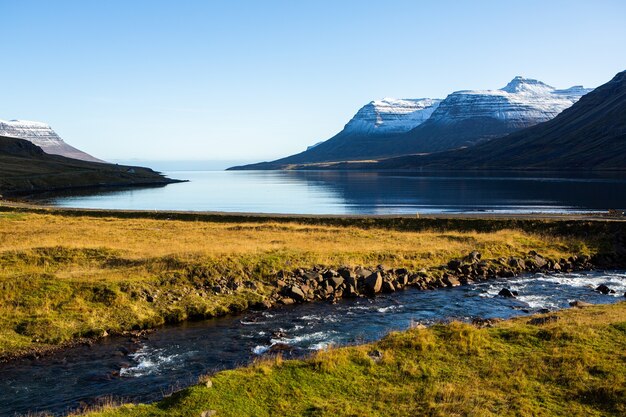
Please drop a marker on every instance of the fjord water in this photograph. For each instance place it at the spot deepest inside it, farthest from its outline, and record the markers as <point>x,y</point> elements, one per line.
<point>146,368</point>
<point>343,192</point>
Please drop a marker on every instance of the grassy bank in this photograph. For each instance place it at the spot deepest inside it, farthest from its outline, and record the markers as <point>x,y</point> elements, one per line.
<point>574,365</point>
<point>66,275</point>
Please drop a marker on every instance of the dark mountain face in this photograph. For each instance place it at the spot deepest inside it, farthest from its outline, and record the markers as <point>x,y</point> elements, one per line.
<point>18,147</point>
<point>589,135</point>
<point>25,168</point>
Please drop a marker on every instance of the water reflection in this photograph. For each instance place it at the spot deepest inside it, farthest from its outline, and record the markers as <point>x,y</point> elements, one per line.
<point>341,192</point>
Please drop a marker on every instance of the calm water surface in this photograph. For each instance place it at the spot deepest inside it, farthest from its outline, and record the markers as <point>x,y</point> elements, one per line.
<point>335,192</point>
<point>146,368</point>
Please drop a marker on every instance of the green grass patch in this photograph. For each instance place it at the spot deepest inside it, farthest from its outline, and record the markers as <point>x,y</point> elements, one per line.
<point>575,366</point>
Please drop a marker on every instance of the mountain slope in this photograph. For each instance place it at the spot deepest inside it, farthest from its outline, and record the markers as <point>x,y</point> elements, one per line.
<point>42,135</point>
<point>589,135</point>
<point>463,119</point>
<point>26,168</point>
<point>371,133</point>
<point>466,118</point>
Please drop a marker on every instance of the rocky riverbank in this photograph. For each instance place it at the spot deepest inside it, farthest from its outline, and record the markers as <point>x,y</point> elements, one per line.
<point>319,283</point>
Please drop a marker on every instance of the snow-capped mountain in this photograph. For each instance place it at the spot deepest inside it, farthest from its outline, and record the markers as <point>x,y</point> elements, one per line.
<point>391,127</point>
<point>391,115</point>
<point>590,135</point>
<point>521,103</point>
<point>42,135</point>
<point>371,130</point>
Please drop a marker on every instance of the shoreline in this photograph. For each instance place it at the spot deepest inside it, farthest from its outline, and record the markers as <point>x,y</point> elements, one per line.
<point>16,204</point>
<point>26,194</point>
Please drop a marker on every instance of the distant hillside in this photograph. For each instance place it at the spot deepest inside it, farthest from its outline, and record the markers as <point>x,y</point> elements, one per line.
<point>42,135</point>
<point>390,127</point>
<point>375,131</point>
<point>26,168</point>
<point>589,135</point>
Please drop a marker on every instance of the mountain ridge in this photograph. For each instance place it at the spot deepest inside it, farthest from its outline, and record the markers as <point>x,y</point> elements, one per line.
<point>464,118</point>
<point>590,135</point>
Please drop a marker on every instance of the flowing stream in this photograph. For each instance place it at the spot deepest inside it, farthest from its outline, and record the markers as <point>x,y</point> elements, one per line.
<point>145,368</point>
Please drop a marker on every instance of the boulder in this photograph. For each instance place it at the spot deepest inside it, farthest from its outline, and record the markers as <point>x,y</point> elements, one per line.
<point>603,289</point>
<point>454,264</point>
<point>346,273</point>
<point>540,261</point>
<point>351,291</point>
<point>403,279</point>
<point>363,273</point>
<point>506,273</point>
<point>451,281</point>
<point>473,256</point>
<point>312,275</point>
<point>336,281</point>
<point>374,283</point>
<point>517,263</point>
<point>352,281</point>
<point>506,293</point>
<point>481,322</point>
<point>208,413</point>
<point>329,274</point>
<point>296,293</point>
<point>579,304</point>
<point>280,347</point>
<point>388,287</point>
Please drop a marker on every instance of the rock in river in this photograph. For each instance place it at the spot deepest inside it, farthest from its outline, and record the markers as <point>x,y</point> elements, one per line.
<point>374,283</point>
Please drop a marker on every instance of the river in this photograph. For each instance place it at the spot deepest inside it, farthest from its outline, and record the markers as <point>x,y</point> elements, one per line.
<point>145,368</point>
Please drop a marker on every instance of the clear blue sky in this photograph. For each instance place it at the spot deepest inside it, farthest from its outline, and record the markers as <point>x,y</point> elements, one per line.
<point>254,80</point>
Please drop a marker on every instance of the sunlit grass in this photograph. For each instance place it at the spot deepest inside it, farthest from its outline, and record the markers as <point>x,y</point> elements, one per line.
<point>63,277</point>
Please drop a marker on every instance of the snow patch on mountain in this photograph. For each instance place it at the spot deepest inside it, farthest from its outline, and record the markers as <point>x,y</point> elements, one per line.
<point>391,116</point>
<point>42,135</point>
<point>521,103</point>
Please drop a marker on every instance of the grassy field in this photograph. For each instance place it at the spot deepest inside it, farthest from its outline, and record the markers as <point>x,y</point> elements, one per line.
<point>69,275</point>
<point>573,366</point>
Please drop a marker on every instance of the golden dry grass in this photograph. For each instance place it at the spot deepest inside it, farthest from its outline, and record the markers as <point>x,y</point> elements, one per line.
<point>327,244</point>
<point>63,277</point>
